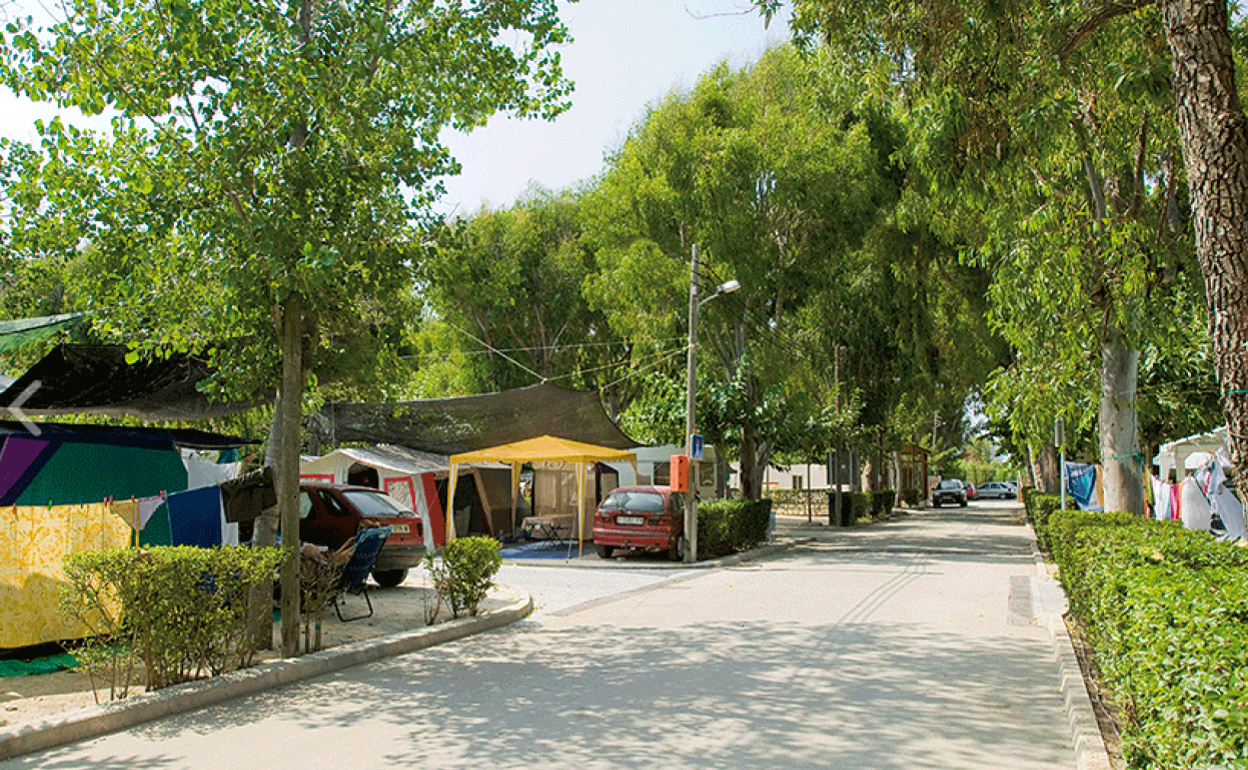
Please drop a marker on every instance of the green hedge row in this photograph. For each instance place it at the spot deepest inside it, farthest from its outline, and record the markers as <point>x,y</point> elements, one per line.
<point>178,612</point>
<point>1166,611</point>
<point>859,506</point>
<point>728,526</point>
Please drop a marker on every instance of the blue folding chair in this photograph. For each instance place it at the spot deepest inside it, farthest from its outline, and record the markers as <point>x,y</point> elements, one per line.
<point>354,578</point>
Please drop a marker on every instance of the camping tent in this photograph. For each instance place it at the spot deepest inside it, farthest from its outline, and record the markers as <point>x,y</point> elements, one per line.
<point>407,475</point>
<point>540,449</point>
<point>1174,454</point>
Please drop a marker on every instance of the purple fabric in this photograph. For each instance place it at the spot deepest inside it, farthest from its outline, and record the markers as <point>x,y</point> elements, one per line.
<point>195,517</point>
<point>16,457</point>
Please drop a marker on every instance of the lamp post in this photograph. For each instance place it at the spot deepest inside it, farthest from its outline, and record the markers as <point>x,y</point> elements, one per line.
<point>691,518</point>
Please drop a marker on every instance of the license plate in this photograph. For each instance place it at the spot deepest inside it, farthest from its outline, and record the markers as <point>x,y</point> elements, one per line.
<point>634,520</point>
<point>399,529</point>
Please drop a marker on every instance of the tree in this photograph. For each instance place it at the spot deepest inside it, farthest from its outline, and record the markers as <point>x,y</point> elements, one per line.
<point>1056,160</point>
<point>511,280</point>
<point>776,183</point>
<point>265,167</point>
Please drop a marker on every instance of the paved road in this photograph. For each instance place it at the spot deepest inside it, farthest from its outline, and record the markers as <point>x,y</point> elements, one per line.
<point>895,646</point>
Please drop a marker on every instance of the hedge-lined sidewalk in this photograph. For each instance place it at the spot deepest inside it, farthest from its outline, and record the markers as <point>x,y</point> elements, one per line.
<point>1166,613</point>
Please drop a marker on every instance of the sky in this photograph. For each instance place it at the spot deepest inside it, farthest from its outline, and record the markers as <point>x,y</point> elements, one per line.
<point>625,55</point>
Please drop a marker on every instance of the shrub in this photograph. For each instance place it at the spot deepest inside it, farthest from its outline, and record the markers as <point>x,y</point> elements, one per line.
<point>1039,508</point>
<point>180,610</point>
<point>464,574</point>
<point>1166,610</point>
<point>911,496</point>
<point>882,503</point>
<point>729,526</point>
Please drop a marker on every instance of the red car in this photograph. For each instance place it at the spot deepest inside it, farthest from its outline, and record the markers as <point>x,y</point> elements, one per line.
<point>330,514</point>
<point>646,518</point>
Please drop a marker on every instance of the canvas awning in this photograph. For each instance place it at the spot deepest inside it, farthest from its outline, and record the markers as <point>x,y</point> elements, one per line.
<point>540,449</point>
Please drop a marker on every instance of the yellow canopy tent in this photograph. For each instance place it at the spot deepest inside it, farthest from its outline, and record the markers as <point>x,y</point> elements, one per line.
<point>540,449</point>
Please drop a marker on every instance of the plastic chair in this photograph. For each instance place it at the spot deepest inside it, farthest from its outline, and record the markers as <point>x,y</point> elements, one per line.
<point>354,577</point>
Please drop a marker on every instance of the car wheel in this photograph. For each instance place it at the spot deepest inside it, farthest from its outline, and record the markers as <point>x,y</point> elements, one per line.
<point>963,503</point>
<point>935,503</point>
<point>389,578</point>
<point>604,551</point>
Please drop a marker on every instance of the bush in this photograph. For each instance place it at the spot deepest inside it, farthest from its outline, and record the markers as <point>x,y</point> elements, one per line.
<point>180,610</point>
<point>1166,611</point>
<point>882,503</point>
<point>1039,507</point>
<point>911,496</point>
<point>464,574</point>
<point>729,526</point>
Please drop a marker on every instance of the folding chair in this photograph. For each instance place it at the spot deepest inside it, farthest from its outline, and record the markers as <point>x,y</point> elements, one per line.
<point>354,578</point>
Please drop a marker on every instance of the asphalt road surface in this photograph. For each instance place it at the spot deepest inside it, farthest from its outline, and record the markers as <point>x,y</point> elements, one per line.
<point>898,645</point>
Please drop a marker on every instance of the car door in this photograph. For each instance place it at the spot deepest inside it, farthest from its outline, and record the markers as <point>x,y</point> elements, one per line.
<point>322,520</point>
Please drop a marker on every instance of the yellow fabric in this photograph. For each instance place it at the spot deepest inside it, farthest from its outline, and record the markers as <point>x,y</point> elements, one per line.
<point>545,448</point>
<point>34,542</point>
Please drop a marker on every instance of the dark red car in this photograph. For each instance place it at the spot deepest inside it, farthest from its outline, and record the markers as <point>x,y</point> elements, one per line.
<point>647,518</point>
<point>330,514</point>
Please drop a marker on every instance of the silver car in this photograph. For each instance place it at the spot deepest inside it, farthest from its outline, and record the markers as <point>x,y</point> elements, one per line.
<point>997,490</point>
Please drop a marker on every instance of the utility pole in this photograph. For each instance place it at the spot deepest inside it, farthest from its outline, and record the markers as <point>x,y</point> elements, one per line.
<point>691,516</point>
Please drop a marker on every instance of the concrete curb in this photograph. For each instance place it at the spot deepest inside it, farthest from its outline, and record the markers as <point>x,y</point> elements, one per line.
<point>59,730</point>
<point>1085,732</point>
<point>625,564</point>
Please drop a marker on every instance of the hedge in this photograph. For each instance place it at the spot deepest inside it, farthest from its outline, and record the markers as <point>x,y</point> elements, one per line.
<point>728,526</point>
<point>179,611</point>
<point>1040,507</point>
<point>1166,612</point>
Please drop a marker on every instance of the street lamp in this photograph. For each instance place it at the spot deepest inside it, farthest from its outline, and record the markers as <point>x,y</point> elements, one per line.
<point>691,519</point>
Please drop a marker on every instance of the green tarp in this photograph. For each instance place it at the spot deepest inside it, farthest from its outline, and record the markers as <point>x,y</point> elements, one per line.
<point>23,331</point>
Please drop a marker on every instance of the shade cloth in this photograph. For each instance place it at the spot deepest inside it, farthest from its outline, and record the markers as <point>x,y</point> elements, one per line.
<point>468,423</point>
<point>97,379</point>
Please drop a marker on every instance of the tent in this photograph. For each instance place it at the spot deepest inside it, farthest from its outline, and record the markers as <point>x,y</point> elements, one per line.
<point>549,449</point>
<point>54,491</point>
<point>407,475</point>
<point>1174,455</point>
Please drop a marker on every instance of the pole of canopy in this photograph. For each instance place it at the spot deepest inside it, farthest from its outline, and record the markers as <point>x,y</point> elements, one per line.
<point>580,509</point>
<point>450,503</point>
<point>515,493</point>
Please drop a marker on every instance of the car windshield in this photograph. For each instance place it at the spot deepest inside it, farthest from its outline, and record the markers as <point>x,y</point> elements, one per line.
<point>633,501</point>
<point>375,503</point>
<point>951,484</point>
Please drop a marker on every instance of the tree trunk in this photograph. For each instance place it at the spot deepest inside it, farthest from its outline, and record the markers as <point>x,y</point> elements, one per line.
<point>751,479</point>
<point>1048,474</point>
<point>264,533</point>
<point>288,412</point>
<point>1214,133</point>
<point>1120,445</point>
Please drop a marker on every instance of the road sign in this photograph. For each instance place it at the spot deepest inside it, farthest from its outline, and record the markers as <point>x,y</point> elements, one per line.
<point>695,447</point>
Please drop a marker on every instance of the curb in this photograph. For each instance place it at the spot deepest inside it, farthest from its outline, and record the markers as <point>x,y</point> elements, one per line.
<point>623,564</point>
<point>1085,732</point>
<point>120,715</point>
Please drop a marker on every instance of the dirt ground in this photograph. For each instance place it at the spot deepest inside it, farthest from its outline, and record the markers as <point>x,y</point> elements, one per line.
<point>26,699</point>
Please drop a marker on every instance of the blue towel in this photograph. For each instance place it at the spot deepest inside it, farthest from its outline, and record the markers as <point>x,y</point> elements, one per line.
<point>195,517</point>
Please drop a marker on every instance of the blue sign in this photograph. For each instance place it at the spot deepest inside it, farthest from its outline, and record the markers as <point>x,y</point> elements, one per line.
<point>695,447</point>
